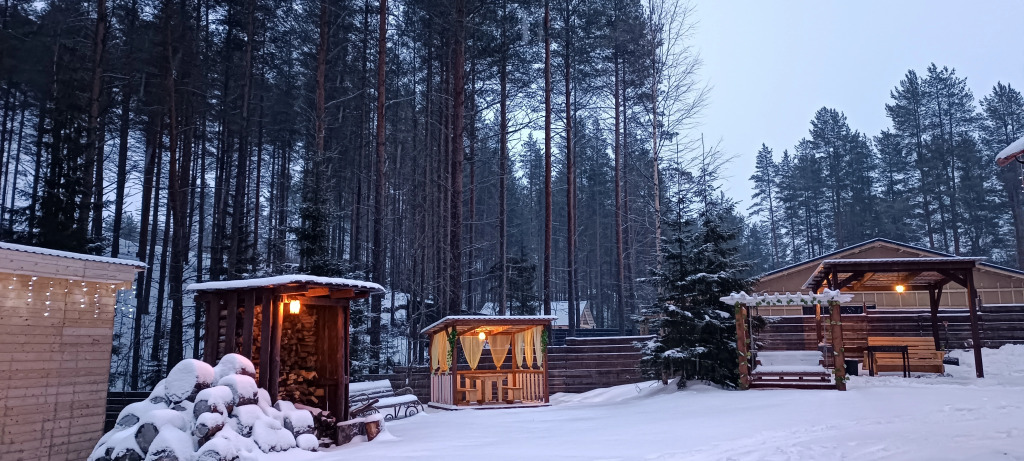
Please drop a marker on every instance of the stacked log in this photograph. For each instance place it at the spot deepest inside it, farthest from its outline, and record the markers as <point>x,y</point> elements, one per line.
<point>299,380</point>
<point>209,413</point>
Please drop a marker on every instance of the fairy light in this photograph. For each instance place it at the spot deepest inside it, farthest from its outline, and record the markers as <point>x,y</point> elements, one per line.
<point>30,286</point>
<point>49,290</point>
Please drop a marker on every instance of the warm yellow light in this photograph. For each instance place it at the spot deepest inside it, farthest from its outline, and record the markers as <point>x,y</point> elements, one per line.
<point>482,336</point>
<point>900,288</point>
<point>294,306</point>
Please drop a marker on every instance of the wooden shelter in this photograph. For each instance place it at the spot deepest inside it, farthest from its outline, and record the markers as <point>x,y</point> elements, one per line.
<point>902,274</point>
<point>461,374</point>
<point>56,325</point>
<point>294,328</point>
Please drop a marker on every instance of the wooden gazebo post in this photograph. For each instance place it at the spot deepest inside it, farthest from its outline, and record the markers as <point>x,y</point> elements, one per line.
<point>972,303</point>
<point>743,345</point>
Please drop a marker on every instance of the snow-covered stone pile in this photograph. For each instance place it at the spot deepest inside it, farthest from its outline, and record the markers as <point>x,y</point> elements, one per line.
<point>204,413</point>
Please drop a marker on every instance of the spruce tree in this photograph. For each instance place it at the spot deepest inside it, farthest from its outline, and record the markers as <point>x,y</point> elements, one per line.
<point>697,337</point>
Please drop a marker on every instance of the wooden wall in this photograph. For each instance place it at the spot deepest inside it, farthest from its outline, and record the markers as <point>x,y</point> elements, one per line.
<point>54,357</point>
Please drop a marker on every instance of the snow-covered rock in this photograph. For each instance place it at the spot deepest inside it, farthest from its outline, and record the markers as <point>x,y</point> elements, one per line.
<point>243,389</point>
<point>270,436</point>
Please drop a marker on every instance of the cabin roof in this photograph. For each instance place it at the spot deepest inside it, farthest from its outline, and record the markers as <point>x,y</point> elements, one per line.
<point>488,321</point>
<point>68,254</point>
<point>290,279</point>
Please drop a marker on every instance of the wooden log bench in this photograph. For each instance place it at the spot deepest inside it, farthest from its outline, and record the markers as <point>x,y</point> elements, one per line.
<point>393,404</point>
<point>923,357</point>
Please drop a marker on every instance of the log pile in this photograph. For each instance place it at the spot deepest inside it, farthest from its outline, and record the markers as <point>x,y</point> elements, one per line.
<point>299,379</point>
<point>201,412</point>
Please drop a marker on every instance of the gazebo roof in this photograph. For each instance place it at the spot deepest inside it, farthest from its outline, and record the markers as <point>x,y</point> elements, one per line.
<point>884,274</point>
<point>491,323</point>
<point>295,281</point>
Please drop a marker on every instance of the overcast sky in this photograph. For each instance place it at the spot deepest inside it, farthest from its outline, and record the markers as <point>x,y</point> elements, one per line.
<point>772,64</point>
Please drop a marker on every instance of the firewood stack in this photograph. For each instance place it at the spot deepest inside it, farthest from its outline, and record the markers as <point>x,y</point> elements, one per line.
<point>299,380</point>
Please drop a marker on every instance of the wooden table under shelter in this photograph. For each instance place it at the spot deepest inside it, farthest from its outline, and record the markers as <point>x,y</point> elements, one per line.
<point>513,375</point>
<point>294,328</point>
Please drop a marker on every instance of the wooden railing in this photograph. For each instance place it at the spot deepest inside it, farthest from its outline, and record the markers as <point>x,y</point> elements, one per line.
<point>533,384</point>
<point>441,388</point>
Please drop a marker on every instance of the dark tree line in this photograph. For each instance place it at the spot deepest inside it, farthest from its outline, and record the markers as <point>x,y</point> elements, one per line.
<point>930,179</point>
<point>462,152</point>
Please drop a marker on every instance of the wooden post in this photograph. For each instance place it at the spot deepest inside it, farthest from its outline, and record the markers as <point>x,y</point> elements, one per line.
<point>454,368</point>
<point>973,302</point>
<point>212,328</point>
<point>231,322</point>
<point>743,345</point>
<point>837,344</point>
<point>819,332</point>
<point>934,295</point>
<point>274,377</point>
<point>344,370</point>
<point>337,321</point>
<point>247,322</point>
<point>266,327</point>
<point>547,390</point>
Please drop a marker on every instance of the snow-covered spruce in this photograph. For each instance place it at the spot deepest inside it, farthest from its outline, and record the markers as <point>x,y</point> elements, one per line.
<point>204,413</point>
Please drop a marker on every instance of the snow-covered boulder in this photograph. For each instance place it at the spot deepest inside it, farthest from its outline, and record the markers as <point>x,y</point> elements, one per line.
<point>298,422</point>
<point>171,445</point>
<point>307,442</point>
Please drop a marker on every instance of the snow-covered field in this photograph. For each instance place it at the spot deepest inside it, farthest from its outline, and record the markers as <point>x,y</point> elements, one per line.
<point>889,417</point>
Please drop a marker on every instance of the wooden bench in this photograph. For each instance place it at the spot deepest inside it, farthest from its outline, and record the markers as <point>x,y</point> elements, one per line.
<point>513,393</point>
<point>923,356</point>
<point>394,404</point>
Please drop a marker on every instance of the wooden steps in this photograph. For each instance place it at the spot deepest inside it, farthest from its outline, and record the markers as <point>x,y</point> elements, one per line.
<point>585,364</point>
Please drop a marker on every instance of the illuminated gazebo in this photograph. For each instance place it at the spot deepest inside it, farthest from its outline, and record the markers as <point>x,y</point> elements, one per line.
<point>294,328</point>
<point>471,367</point>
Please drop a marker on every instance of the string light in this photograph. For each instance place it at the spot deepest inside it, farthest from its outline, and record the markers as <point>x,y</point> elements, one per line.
<point>48,291</point>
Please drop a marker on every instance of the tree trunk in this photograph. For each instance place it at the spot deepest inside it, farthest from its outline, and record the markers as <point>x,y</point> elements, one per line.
<point>458,73</point>
<point>503,166</point>
<point>547,157</point>
<point>379,189</point>
<point>570,190</point>
<point>619,259</point>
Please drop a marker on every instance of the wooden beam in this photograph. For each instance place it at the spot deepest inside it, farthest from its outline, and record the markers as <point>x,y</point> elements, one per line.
<point>342,293</point>
<point>210,341</point>
<point>318,291</point>
<point>835,313</point>
<point>266,328</point>
<point>292,289</point>
<point>849,279</point>
<point>231,322</point>
<point>742,347</point>
<point>857,283</point>
<point>306,300</point>
<point>957,277</point>
<point>344,367</point>
<point>972,303</point>
<point>934,296</point>
<point>248,320</point>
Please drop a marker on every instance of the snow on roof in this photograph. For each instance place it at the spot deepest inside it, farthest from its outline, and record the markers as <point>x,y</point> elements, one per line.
<point>490,319</point>
<point>68,254</point>
<point>1012,151</point>
<point>373,288</point>
<point>899,260</point>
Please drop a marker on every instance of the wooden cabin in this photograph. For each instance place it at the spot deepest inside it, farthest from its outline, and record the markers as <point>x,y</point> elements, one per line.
<point>56,328</point>
<point>488,361</point>
<point>294,328</point>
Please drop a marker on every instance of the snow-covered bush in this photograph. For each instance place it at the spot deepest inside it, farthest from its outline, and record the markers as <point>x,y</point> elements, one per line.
<point>204,413</point>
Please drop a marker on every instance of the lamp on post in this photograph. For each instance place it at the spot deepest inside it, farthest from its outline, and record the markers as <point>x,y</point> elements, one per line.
<point>294,306</point>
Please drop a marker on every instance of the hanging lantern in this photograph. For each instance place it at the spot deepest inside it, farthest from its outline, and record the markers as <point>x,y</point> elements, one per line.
<point>900,288</point>
<point>294,306</point>
<point>482,336</point>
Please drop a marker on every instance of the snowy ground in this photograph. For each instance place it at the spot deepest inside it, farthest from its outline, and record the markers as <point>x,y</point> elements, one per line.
<point>889,417</point>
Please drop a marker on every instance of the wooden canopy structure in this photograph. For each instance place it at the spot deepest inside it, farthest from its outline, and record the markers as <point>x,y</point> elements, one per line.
<point>308,315</point>
<point>911,274</point>
<point>461,376</point>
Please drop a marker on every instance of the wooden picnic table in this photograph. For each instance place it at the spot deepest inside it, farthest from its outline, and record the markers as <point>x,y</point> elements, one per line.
<point>903,350</point>
<point>484,381</point>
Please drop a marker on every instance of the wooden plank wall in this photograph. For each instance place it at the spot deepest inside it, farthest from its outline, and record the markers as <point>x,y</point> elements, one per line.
<point>54,366</point>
